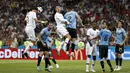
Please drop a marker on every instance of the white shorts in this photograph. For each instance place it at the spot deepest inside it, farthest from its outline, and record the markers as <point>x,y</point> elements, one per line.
<point>91,50</point>
<point>30,33</point>
<point>61,31</point>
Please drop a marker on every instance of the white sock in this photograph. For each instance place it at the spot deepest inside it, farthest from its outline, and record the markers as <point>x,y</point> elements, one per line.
<point>87,63</point>
<point>67,40</point>
<point>93,64</point>
<point>28,47</point>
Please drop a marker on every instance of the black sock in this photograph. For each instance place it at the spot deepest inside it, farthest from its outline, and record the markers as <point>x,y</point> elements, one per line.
<point>120,61</point>
<point>102,65</point>
<point>117,59</point>
<point>46,62</point>
<point>73,47</point>
<point>49,62</point>
<point>39,61</point>
<point>109,63</point>
<point>26,54</point>
<point>54,61</point>
<point>68,46</point>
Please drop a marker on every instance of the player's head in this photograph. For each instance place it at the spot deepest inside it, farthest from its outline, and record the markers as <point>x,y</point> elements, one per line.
<point>37,9</point>
<point>50,25</point>
<point>58,9</point>
<point>105,25</point>
<point>119,25</point>
<point>69,8</point>
<point>94,26</point>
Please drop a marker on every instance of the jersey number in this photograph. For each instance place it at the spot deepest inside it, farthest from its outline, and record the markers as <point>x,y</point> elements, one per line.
<point>69,19</point>
<point>106,38</point>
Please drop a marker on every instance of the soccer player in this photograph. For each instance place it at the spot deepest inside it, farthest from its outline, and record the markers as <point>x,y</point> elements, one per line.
<point>31,20</point>
<point>61,30</point>
<point>91,49</point>
<point>72,17</point>
<point>121,38</point>
<point>44,45</point>
<point>105,35</point>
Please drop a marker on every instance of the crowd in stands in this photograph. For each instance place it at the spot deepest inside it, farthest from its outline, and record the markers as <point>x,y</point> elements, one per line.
<point>12,14</point>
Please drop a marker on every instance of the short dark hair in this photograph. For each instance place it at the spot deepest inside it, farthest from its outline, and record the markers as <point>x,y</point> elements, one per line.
<point>34,8</point>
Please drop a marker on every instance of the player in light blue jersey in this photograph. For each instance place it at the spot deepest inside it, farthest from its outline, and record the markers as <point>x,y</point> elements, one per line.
<point>121,38</point>
<point>72,17</point>
<point>104,35</point>
<point>44,45</point>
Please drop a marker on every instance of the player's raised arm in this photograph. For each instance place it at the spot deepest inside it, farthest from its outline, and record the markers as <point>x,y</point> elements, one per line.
<point>79,19</point>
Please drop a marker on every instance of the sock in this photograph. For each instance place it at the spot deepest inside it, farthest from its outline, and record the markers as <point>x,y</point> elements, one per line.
<point>54,61</point>
<point>102,65</point>
<point>73,47</point>
<point>68,46</point>
<point>49,63</point>
<point>46,62</point>
<point>30,44</point>
<point>120,61</point>
<point>39,61</point>
<point>87,63</point>
<point>109,63</point>
<point>117,59</point>
<point>93,64</point>
<point>26,54</point>
<point>67,40</point>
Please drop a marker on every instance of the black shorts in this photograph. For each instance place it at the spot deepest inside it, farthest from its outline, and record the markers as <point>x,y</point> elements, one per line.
<point>41,47</point>
<point>119,49</point>
<point>103,51</point>
<point>72,32</point>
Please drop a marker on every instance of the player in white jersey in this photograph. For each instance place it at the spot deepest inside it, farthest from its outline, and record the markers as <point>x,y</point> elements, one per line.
<point>91,47</point>
<point>31,20</point>
<point>61,30</point>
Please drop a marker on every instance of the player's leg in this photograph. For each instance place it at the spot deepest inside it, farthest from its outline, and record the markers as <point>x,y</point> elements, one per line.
<point>47,61</point>
<point>116,59</point>
<point>94,53</point>
<point>63,31</point>
<point>39,60</point>
<point>119,51</point>
<point>89,53</point>
<point>31,36</point>
<point>40,49</point>
<point>105,56</point>
<point>101,54</point>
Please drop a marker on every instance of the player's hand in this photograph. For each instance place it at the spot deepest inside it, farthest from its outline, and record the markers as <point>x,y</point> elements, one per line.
<point>43,44</point>
<point>44,22</point>
<point>121,44</point>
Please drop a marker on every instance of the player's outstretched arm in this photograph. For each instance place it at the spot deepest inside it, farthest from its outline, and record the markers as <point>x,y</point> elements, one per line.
<point>39,21</point>
<point>79,19</point>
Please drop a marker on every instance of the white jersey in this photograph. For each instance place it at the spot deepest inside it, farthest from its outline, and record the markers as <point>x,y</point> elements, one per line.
<point>30,19</point>
<point>92,33</point>
<point>60,21</point>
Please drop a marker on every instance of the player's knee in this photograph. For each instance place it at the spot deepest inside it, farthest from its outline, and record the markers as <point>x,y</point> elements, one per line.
<point>89,56</point>
<point>94,58</point>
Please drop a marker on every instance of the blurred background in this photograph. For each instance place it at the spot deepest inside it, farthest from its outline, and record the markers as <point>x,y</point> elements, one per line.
<point>12,14</point>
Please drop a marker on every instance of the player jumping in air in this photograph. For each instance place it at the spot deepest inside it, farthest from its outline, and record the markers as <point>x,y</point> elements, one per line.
<point>61,30</point>
<point>72,17</point>
<point>31,20</point>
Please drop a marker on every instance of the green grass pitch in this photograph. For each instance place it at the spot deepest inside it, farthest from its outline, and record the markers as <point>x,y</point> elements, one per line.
<point>66,66</point>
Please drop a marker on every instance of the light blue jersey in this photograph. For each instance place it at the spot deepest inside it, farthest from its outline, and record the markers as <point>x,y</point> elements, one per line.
<point>45,33</point>
<point>120,35</point>
<point>71,17</point>
<point>104,35</point>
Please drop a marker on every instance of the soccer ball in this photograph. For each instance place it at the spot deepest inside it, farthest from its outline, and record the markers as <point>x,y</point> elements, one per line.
<point>81,45</point>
